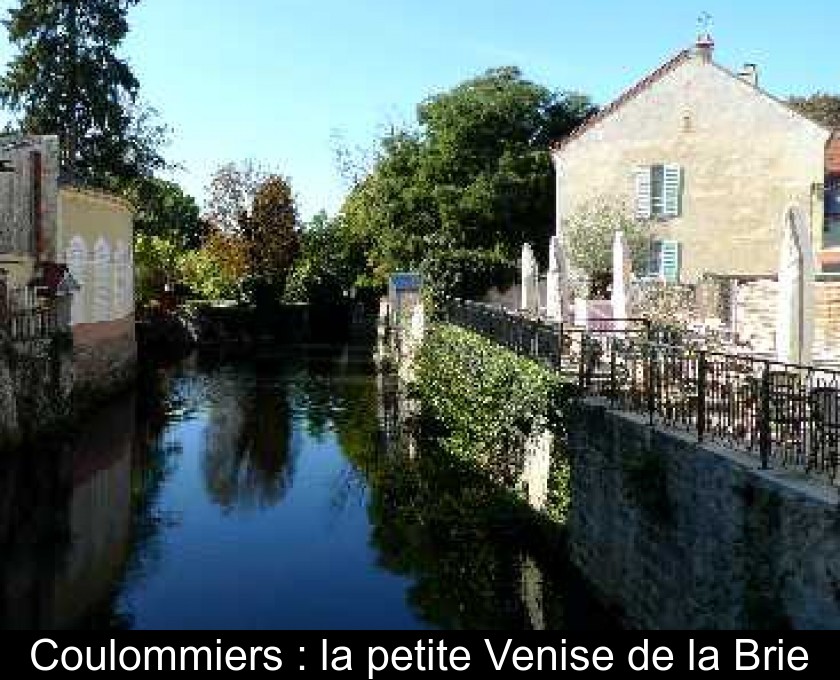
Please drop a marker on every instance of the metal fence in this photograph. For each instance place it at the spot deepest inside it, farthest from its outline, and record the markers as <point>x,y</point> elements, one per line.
<point>25,317</point>
<point>786,415</point>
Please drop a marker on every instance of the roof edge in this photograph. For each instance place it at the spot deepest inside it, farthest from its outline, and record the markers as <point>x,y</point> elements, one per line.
<point>622,99</point>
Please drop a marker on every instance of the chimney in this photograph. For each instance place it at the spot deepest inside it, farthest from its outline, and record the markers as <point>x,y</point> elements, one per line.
<point>704,46</point>
<point>749,74</point>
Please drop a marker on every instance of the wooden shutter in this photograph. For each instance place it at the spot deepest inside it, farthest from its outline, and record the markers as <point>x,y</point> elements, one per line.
<point>672,185</point>
<point>670,261</point>
<point>642,181</point>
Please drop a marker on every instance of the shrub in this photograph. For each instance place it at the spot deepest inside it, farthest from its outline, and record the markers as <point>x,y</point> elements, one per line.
<point>484,401</point>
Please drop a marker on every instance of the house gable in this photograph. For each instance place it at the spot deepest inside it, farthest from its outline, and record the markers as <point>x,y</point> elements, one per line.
<point>650,82</point>
<point>742,156</point>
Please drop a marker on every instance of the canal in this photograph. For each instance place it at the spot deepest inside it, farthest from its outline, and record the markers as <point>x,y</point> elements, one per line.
<point>269,492</point>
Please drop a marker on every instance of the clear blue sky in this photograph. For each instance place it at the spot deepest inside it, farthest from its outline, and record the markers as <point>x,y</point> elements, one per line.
<point>274,80</point>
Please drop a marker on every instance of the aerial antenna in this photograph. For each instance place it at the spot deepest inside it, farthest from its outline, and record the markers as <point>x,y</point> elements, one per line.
<point>704,23</point>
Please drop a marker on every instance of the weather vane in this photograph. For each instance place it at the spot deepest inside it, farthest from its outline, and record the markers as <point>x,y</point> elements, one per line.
<point>704,22</point>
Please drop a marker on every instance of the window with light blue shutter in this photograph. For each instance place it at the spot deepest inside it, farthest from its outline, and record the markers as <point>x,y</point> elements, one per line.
<point>658,191</point>
<point>669,262</point>
<point>671,190</point>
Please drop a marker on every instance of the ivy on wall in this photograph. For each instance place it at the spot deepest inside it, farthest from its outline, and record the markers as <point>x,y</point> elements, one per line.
<point>482,402</point>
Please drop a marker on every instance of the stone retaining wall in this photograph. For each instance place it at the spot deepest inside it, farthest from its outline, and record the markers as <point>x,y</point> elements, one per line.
<point>104,357</point>
<point>682,535</point>
<point>755,316</point>
<point>35,384</point>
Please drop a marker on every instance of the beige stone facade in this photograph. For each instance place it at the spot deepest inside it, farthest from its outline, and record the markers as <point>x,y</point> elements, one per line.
<point>743,157</point>
<point>95,239</point>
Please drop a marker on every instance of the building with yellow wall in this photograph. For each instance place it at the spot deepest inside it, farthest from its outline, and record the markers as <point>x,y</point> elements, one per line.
<point>95,232</point>
<point>46,229</point>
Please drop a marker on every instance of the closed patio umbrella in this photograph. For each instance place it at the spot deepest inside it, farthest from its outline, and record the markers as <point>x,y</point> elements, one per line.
<point>620,276</point>
<point>530,281</point>
<point>557,287</point>
<point>795,305</point>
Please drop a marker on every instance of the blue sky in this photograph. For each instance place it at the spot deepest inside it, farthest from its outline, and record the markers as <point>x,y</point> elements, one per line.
<point>277,80</point>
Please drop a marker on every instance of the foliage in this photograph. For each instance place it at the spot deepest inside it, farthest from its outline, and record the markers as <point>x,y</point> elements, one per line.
<point>212,272</point>
<point>164,210</point>
<point>466,273</point>
<point>156,265</point>
<point>231,192</point>
<point>821,107</point>
<point>328,264</point>
<point>271,235</point>
<point>475,176</point>
<point>89,96</point>
<point>487,401</point>
<point>590,232</point>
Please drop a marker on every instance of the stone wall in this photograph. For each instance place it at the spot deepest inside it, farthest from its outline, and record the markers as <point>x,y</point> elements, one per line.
<point>755,316</point>
<point>36,379</point>
<point>681,535</point>
<point>104,358</point>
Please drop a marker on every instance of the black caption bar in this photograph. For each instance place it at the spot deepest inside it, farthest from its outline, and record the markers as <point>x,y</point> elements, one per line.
<point>373,655</point>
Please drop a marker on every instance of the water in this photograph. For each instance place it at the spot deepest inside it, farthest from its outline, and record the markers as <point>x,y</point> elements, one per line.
<point>268,493</point>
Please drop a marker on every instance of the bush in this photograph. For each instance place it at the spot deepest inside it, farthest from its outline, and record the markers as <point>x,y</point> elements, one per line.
<point>590,232</point>
<point>484,401</point>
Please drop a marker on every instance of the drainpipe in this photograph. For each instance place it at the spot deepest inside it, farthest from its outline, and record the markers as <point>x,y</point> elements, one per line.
<point>37,204</point>
<point>800,321</point>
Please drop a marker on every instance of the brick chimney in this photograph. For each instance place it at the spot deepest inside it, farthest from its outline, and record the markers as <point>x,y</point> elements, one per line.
<point>749,74</point>
<point>704,46</point>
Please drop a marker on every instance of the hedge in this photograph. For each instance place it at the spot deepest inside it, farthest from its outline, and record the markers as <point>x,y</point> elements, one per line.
<point>483,402</point>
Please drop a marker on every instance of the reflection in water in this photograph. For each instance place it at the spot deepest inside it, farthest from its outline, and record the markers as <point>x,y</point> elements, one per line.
<point>65,525</point>
<point>284,492</point>
<point>247,462</point>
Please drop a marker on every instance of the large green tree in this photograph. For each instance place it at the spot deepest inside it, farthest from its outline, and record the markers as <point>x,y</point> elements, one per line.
<point>821,107</point>
<point>165,210</point>
<point>330,260</point>
<point>460,195</point>
<point>271,236</point>
<point>68,79</point>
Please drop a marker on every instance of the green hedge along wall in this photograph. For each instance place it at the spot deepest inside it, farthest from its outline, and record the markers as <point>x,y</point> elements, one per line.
<point>483,401</point>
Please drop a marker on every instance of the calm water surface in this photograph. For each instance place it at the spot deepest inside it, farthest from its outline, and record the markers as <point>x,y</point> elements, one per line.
<point>267,493</point>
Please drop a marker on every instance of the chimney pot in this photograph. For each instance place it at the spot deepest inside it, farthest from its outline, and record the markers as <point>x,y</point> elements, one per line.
<point>749,73</point>
<point>704,46</point>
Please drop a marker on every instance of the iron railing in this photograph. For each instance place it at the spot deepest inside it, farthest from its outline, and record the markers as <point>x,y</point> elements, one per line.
<point>784,414</point>
<point>36,322</point>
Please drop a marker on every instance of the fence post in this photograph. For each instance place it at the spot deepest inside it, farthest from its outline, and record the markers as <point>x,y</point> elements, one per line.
<point>582,363</point>
<point>651,400</point>
<point>613,382</point>
<point>560,349</point>
<point>701,395</point>
<point>764,418</point>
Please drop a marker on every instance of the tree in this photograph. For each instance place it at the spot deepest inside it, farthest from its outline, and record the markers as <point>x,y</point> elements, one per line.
<point>328,265</point>
<point>163,209</point>
<point>271,234</point>
<point>157,265</point>
<point>590,232</point>
<point>67,79</point>
<point>231,192</point>
<point>474,179</point>
<point>821,107</point>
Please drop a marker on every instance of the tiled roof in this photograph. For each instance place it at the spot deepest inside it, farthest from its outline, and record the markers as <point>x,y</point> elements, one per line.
<point>626,96</point>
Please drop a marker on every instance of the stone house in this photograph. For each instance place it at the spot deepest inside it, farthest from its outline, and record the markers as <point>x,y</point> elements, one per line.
<point>57,238</point>
<point>710,161</point>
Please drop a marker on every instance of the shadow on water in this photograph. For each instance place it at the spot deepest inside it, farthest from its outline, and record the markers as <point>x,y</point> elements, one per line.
<point>225,492</point>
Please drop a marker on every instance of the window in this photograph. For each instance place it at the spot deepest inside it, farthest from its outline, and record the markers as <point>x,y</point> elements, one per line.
<point>665,260</point>
<point>658,191</point>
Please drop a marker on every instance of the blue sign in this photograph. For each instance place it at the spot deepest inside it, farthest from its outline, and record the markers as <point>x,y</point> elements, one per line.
<point>406,281</point>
